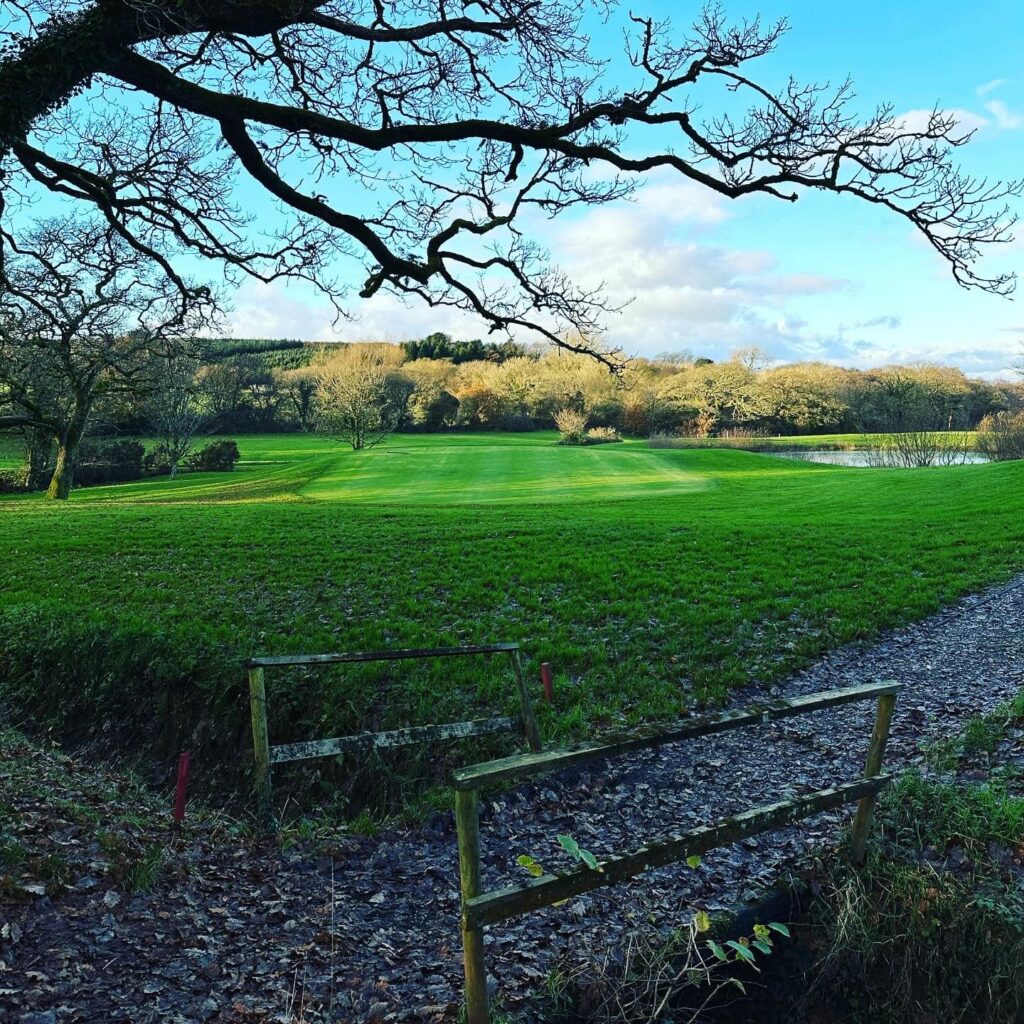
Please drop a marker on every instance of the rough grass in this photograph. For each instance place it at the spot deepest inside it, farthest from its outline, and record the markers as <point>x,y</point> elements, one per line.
<point>932,928</point>
<point>649,579</point>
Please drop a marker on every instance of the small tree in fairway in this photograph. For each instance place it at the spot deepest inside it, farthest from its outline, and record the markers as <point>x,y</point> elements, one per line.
<point>358,397</point>
<point>83,318</point>
<point>175,414</point>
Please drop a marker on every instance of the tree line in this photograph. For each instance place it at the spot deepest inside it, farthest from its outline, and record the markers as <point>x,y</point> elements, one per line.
<point>360,392</point>
<point>514,387</point>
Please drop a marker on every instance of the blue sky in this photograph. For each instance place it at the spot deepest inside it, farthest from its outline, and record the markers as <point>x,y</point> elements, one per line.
<point>827,277</point>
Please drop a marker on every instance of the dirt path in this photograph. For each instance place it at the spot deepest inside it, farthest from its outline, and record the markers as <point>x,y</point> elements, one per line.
<point>250,933</point>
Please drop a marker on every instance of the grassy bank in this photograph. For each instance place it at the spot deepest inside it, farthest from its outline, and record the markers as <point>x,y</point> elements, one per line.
<point>932,928</point>
<point>650,579</point>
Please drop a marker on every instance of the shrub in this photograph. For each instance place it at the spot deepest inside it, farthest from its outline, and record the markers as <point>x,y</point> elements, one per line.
<point>918,449</point>
<point>12,481</point>
<point>109,462</point>
<point>1001,437</point>
<point>572,425</point>
<point>602,435</point>
<point>156,463</point>
<point>216,457</point>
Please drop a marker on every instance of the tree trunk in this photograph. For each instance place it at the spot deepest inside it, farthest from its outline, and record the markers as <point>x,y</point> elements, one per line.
<point>67,457</point>
<point>63,473</point>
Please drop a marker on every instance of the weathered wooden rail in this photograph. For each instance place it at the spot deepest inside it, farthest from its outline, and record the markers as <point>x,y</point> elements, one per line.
<point>266,755</point>
<point>483,908</point>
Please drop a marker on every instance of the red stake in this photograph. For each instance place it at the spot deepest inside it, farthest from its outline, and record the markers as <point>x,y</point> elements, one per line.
<point>182,788</point>
<point>545,678</point>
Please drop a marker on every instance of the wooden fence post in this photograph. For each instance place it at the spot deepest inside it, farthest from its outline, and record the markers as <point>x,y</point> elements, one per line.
<point>872,767</point>
<point>260,742</point>
<point>547,682</point>
<point>529,721</point>
<point>467,823</point>
<point>181,789</point>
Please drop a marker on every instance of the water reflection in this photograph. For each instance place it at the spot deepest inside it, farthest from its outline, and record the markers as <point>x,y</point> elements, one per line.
<point>868,458</point>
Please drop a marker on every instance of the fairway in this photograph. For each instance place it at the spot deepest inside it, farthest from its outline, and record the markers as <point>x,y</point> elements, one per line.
<point>482,469</point>
<point>652,580</point>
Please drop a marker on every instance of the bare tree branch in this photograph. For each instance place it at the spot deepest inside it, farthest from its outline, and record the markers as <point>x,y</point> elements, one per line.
<point>413,137</point>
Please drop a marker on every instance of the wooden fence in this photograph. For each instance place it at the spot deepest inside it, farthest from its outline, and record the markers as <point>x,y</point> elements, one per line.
<point>266,755</point>
<point>483,908</point>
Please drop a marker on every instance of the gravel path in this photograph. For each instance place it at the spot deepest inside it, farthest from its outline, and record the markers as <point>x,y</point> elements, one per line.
<point>373,929</point>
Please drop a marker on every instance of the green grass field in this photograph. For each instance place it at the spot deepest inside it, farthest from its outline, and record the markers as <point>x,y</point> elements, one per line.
<point>649,578</point>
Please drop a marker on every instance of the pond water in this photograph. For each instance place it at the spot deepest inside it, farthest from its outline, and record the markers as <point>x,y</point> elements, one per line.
<point>863,458</point>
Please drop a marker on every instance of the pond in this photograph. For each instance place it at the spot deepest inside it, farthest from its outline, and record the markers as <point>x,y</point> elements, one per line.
<point>865,457</point>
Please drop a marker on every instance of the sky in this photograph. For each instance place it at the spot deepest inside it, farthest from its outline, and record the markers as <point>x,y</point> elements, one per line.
<point>826,278</point>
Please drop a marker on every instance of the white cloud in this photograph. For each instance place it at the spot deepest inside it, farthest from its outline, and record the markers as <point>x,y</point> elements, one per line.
<point>1000,116</point>
<point>273,311</point>
<point>890,321</point>
<point>687,292</point>
<point>386,317</point>
<point>991,358</point>
<point>1005,119</point>
<point>917,120</point>
<point>996,83</point>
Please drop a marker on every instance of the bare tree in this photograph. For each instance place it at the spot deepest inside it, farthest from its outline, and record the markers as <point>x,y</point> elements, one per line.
<point>300,385</point>
<point>358,397</point>
<point>446,124</point>
<point>753,357</point>
<point>82,318</point>
<point>919,448</point>
<point>1000,436</point>
<point>174,410</point>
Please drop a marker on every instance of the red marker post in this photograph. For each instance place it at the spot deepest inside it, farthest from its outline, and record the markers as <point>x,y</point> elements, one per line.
<point>181,790</point>
<point>546,679</point>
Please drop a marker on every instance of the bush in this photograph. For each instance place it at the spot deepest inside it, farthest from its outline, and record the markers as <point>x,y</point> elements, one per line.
<point>109,462</point>
<point>1001,437</point>
<point>217,457</point>
<point>572,425</point>
<point>156,463</point>
<point>12,481</point>
<point>918,449</point>
<point>602,435</point>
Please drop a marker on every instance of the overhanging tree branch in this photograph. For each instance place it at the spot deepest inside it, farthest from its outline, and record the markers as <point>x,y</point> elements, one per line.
<point>441,127</point>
